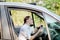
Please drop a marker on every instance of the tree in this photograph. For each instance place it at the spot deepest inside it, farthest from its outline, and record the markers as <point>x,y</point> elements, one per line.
<point>52,5</point>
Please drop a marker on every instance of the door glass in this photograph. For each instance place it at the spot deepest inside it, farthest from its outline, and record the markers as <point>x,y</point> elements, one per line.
<point>38,21</point>
<point>54,27</point>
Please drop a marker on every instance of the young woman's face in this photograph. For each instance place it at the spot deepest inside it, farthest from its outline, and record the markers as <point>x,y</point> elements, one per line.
<point>30,21</point>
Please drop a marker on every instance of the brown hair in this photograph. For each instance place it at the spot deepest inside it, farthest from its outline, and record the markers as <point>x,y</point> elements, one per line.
<point>26,18</point>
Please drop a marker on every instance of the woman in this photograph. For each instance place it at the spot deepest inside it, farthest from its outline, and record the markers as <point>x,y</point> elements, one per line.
<point>26,30</point>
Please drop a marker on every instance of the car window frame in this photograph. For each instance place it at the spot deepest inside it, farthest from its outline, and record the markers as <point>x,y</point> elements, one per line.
<point>8,9</point>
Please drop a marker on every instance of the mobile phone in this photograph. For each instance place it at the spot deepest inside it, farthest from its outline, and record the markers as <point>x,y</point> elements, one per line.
<point>41,27</point>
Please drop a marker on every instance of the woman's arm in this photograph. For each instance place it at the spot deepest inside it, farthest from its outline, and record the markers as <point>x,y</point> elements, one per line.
<point>39,31</point>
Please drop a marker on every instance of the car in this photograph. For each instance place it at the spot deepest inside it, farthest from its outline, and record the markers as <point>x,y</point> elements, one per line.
<point>7,29</point>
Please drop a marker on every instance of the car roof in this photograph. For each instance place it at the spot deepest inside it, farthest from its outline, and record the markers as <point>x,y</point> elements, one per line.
<point>29,6</point>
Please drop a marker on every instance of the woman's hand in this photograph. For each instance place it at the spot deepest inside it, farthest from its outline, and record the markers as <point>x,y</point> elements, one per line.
<point>40,30</point>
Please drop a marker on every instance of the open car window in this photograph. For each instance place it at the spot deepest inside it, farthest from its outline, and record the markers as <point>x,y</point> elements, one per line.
<point>17,17</point>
